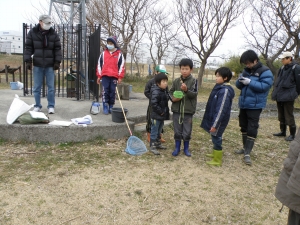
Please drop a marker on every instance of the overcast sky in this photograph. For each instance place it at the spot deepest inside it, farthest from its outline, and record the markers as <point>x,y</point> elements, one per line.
<point>27,11</point>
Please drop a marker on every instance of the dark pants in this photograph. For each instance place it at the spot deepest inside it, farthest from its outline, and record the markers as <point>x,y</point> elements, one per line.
<point>217,142</point>
<point>248,120</point>
<point>293,218</point>
<point>148,125</point>
<point>109,85</point>
<point>286,113</point>
<point>182,128</point>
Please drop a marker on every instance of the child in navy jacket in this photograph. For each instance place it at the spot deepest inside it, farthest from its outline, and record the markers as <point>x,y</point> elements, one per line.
<point>217,112</point>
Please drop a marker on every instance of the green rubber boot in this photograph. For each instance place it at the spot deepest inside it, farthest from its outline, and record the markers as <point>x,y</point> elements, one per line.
<point>210,155</point>
<point>217,160</point>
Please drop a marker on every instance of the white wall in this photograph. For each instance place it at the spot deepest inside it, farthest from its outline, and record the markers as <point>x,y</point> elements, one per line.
<point>15,39</point>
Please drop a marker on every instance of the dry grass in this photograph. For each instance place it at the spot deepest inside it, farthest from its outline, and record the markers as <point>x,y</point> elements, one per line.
<point>98,183</point>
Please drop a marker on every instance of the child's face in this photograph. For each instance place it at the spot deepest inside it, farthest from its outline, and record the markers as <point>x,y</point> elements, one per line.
<point>185,71</point>
<point>163,84</point>
<point>219,79</point>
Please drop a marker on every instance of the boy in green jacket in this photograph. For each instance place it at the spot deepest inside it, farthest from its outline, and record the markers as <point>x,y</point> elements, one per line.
<point>184,93</point>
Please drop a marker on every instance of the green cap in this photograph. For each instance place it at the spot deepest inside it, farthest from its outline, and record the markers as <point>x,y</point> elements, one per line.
<point>161,69</point>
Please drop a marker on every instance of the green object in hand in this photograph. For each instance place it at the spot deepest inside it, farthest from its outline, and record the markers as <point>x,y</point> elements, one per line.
<point>178,94</point>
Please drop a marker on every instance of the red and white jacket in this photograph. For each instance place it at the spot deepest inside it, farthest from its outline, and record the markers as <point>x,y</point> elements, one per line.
<point>111,64</point>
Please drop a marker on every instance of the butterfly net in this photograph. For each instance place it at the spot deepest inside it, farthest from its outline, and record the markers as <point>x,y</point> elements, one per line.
<point>135,146</point>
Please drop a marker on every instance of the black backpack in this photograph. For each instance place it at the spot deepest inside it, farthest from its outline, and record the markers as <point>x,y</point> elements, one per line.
<point>297,79</point>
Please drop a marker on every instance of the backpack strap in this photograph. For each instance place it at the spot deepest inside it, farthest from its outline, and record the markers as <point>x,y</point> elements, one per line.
<point>297,79</point>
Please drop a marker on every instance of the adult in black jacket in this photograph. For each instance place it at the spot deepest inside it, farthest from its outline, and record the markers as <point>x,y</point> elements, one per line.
<point>43,49</point>
<point>285,93</point>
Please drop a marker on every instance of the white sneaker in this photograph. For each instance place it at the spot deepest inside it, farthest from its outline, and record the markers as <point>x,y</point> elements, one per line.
<point>51,111</point>
<point>36,109</point>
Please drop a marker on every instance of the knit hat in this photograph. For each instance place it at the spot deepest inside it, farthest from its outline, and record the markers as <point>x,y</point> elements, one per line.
<point>161,69</point>
<point>113,39</point>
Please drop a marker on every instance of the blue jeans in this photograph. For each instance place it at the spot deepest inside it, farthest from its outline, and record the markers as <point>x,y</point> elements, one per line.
<point>38,75</point>
<point>217,142</point>
<point>156,128</point>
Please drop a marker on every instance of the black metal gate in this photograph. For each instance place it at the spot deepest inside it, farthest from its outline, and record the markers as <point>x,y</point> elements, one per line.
<point>76,77</point>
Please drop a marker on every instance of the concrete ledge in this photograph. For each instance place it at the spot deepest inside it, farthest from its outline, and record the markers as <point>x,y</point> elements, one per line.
<point>58,134</point>
<point>65,110</point>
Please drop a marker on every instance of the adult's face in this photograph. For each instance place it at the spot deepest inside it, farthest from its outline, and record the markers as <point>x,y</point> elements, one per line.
<point>286,60</point>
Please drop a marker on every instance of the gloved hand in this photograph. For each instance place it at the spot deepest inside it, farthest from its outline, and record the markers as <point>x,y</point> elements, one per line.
<point>28,65</point>
<point>245,80</point>
<point>56,66</point>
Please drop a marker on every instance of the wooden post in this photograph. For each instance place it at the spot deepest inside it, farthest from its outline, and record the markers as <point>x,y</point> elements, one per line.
<point>20,77</point>
<point>13,73</point>
<point>6,73</point>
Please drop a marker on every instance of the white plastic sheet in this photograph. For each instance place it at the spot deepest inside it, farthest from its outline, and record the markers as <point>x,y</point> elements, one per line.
<point>17,108</point>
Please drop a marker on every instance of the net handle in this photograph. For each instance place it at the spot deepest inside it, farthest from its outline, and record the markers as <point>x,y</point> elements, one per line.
<point>123,111</point>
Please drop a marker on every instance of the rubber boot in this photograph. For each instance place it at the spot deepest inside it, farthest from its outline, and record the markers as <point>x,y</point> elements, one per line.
<point>110,107</point>
<point>211,155</point>
<point>186,148</point>
<point>177,148</point>
<point>242,151</point>
<point>282,132</point>
<point>158,145</point>
<point>292,133</point>
<point>148,136</point>
<point>161,139</point>
<point>248,148</point>
<point>105,108</point>
<point>153,148</point>
<point>217,160</point>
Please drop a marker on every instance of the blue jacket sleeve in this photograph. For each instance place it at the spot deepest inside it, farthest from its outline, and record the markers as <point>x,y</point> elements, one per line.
<point>264,83</point>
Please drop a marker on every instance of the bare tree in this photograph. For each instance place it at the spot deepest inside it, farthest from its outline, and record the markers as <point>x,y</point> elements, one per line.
<point>134,48</point>
<point>204,24</point>
<point>161,32</point>
<point>278,33</point>
<point>119,17</point>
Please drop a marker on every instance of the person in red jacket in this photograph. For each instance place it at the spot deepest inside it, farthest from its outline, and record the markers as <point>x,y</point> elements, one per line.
<point>110,70</point>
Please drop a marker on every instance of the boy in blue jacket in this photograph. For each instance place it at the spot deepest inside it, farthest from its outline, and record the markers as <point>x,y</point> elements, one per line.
<point>254,83</point>
<point>217,113</point>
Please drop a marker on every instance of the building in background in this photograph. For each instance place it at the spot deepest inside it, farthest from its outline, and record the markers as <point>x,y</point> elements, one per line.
<point>11,42</point>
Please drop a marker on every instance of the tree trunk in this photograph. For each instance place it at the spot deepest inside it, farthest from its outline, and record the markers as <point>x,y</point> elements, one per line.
<point>200,74</point>
<point>272,68</point>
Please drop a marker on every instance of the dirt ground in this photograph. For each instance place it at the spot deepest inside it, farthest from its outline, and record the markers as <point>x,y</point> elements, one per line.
<point>98,183</point>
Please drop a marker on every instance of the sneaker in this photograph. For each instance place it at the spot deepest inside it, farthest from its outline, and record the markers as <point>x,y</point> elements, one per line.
<point>36,109</point>
<point>154,150</point>
<point>51,111</point>
<point>159,146</point>
<point>240,151</point>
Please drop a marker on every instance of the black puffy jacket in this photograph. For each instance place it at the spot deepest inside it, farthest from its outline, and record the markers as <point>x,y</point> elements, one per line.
<point>159,103</point>
<point>42,56</point>
<point>285,85</point>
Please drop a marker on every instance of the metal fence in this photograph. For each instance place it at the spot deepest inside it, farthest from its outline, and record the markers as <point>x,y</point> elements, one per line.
<point>76,77</point>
